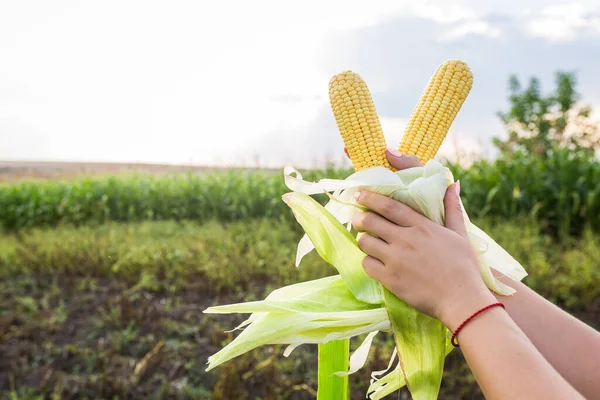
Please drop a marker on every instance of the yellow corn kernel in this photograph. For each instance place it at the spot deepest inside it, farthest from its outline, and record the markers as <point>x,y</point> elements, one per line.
<point>357,121</point>
<point>437,107</point>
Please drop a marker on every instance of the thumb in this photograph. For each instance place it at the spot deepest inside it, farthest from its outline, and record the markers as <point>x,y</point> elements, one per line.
<point>402,161</point>
<point>454,215</point>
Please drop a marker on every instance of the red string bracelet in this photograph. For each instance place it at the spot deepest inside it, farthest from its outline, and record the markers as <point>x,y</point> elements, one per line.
<point>453,340</point>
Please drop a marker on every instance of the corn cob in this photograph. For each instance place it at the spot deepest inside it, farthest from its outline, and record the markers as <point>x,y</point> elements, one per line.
<point>437,107</point>
<point>357,121</point>
<point>363,137</point>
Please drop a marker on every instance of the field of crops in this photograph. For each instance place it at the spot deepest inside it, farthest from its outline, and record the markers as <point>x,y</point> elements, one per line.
<point>562,193</point>
<point>103,279</point>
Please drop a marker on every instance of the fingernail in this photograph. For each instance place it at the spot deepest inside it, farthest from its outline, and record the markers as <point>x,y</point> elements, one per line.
<point>394,153</point>
<point>356,195</point>
<point>457,187</point>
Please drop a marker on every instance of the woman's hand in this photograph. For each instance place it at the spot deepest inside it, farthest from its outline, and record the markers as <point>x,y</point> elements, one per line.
<point>433,268</point>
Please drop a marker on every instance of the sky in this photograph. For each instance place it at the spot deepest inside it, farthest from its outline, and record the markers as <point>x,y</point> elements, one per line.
<point>234,83</point>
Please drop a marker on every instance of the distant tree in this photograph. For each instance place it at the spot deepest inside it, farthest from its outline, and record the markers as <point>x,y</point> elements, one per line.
<point>539,123</point>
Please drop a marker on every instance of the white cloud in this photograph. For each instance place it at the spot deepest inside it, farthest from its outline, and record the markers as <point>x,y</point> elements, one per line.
<point>461,21</point>
<point>566,22</point>
<point>472,27</point>
<point>443,12</point>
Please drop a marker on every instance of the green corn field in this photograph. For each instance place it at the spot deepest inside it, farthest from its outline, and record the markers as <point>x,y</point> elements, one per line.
<point>562,193</point>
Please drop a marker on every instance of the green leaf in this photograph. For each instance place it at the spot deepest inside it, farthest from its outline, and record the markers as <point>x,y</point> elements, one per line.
<point>387,385</point>
<point>317,311</point>
<point>381,387</point>
<point>328,294</point>
<point>421,344</point>
<point>335,245</point>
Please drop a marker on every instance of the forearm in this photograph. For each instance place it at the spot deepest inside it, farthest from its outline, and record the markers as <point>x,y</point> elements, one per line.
<point>572,347</point>
<point>503,360</point>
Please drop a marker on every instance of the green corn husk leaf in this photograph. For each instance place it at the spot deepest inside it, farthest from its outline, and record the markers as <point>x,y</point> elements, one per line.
<point>421,342</point>
<point>316,311</point>
<point>333,357</point>
<point>393,381</point>
<point>387,385</point>
<point>335,245</point>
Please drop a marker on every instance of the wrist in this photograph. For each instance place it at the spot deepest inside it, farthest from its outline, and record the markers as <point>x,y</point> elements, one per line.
<point>458,309</point>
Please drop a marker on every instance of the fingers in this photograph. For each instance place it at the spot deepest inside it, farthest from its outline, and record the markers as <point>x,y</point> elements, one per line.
<point>373,246</point>
<point>394,211</point>
<point>373,223</point>
<point>374,268</point>
<point>402,161</point>
<point>454,215</point>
